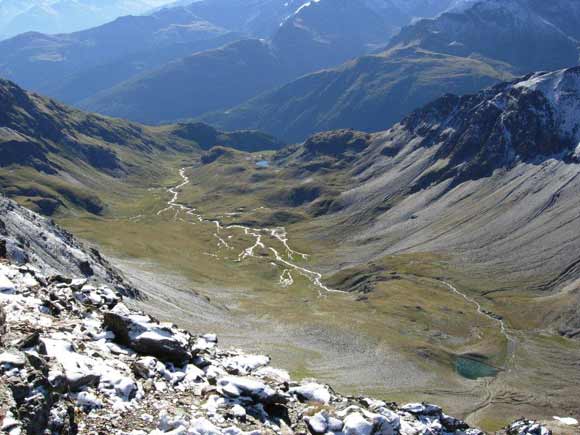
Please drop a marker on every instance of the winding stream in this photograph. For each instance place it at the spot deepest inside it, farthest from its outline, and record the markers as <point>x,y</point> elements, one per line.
<point>503,328</point>
<point>287,263</point>
<point>284,260</point>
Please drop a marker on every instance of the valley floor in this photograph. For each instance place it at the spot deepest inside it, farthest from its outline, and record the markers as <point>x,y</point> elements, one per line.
<point>402,341</point>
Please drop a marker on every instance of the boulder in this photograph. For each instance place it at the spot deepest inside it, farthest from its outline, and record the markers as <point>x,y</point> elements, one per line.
<point>422,409</point>
<point>312,392</point>
<point>236,387</point>
<point>356,424</point>
<point>366,423</point>
<point>322,423</point>
<point>147,337</point>
<point>245,364</point>
<point>527,427</point>
<point>12,358</point>
<point>78,371</point>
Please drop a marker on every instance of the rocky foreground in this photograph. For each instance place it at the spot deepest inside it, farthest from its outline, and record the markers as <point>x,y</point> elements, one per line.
<point>74,359</point>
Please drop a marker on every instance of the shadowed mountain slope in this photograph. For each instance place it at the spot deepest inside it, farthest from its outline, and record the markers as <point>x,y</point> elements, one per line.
<point>317,35</point>
<point>75,65</point>
<point>369,93</point>
<point>52,155</point>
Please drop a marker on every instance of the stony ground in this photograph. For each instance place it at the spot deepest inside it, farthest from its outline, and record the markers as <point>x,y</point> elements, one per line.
<point>74,359</point>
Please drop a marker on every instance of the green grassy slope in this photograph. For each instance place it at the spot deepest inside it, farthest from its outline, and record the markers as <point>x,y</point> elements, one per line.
<point>53,156</point>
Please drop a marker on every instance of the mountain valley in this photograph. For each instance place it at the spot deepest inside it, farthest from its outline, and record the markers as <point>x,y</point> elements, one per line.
<point>433,294</point>
<point>380,195</point>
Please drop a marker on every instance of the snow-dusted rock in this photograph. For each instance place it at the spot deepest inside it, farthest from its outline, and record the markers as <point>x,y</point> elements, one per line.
<point>568,421</point>
<point>274,374</point>
<point>88,400</point>
<point>6,285</point>
<point>421,409</point>
<point>245,364</point>
<point>78,370</point>
<point>236,386</point>
<point>527,427</point>
<point>205,342</point>
<point>356,424</point>
<point>12,358</point>
<point>361,421</point>
<point>148,337</point>
<point>202,426</point>
<point>98,297</point>
<point>312,392</point>
<point>323,422</point>
<point>10,425</point>
<point>148,367</point>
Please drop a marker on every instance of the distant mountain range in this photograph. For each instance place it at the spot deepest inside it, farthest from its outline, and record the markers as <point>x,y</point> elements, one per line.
<point>323,34</point>
<point>73,66</point>
<point>118,68</point>
<point>459,52</point>
<point>59,16</point>
<point>271,65</point>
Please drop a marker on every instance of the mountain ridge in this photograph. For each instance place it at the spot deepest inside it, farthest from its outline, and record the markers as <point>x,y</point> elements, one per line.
<point>431,54</point>
<point>314,37</point>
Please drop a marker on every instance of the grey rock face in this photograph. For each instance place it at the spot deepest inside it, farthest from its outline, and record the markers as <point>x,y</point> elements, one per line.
<point>28,238</point>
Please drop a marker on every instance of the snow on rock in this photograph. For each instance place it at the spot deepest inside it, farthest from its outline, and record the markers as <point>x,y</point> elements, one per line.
<point>146,336</point>
<point>568,421</point>
<point>356,424</point>
<point>235,386</point>
<point>527,427</point>
<point>31,239</point>
<point>562,90</point>
<point>74,359</point>
<point>12,358</point>
<point>323,422</point>
<point>73,370</point>
<point>421,409</point>
<point>277,375</point>
<point>245,364</point>
<point>312,392</point>
<point>207,341</point>
<point>202,426</point>
<point>6,286</point>
<point>88,400</point>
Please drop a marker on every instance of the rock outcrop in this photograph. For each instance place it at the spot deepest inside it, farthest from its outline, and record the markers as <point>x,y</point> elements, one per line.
<point>28,238</point>
<point>76,360</point>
